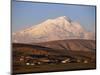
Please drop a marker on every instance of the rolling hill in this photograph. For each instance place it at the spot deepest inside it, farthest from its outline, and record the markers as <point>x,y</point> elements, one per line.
<point>69,48</point>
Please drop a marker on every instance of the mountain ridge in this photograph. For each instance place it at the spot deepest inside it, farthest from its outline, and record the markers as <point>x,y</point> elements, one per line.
<point>52,29</point>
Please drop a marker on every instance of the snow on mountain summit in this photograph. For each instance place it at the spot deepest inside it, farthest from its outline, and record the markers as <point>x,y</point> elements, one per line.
<point>52,29</point>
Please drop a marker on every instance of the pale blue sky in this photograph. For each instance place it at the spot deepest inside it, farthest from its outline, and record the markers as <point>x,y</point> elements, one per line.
<point>26,14</point>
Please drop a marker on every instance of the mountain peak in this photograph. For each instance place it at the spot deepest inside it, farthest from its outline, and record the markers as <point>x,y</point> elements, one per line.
<point>59,19</point>
<point>64,18</point>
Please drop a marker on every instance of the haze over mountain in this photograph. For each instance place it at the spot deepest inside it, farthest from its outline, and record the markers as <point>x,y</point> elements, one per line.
<point>60,28</point>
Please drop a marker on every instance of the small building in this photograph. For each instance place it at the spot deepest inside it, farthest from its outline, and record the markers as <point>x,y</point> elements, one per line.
<point>27,63</point>
<point>66,61</point>
<point>85,61</point>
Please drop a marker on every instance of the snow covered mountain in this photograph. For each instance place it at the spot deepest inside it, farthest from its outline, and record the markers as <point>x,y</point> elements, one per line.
<point>52,29</point>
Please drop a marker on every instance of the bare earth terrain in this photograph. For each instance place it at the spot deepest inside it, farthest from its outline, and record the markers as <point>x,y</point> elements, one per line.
<point>61,55</point>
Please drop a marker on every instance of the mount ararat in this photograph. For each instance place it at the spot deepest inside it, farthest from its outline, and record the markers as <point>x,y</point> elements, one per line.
<point>60,28</point>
